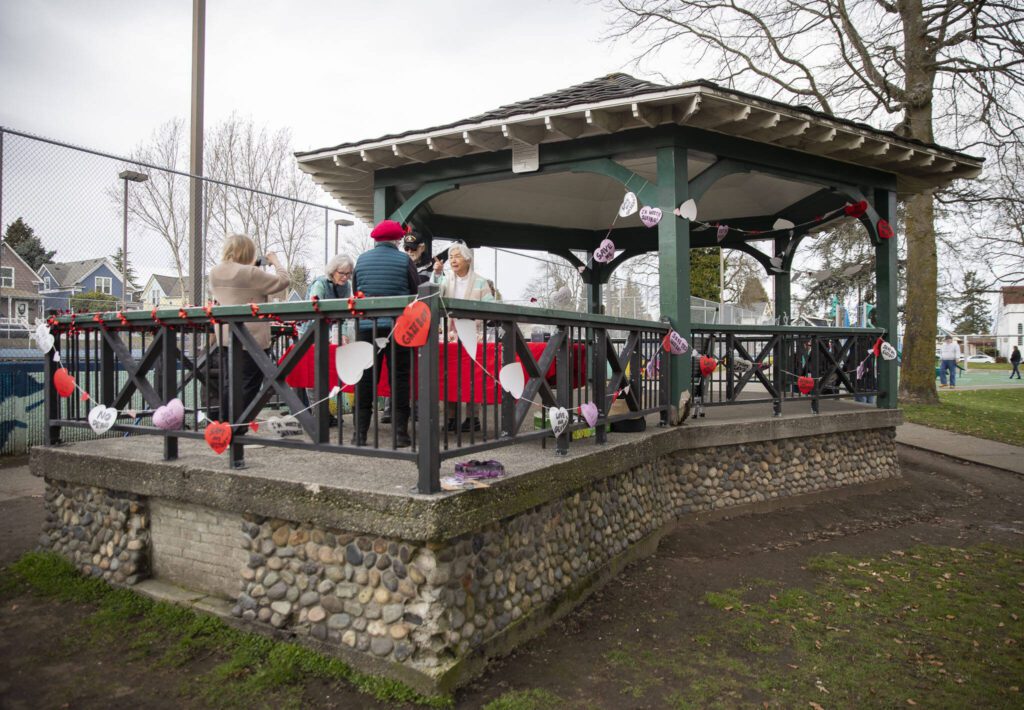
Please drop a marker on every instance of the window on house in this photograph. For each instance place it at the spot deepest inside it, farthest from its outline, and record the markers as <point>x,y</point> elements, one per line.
<point>7,276</point>
<point>46,283</point>
<point>154,297</point>
<point>105,284</point>
<point>1020,338</point>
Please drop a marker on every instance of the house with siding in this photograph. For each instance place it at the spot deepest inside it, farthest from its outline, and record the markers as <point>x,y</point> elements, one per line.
<point>166,292</point>
<point>1010,320</point>
<point>61,281</point>
<point>20,302</point>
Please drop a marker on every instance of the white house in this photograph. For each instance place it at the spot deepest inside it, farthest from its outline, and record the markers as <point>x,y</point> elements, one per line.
<point>165,292</point>
<point>1010,319</point>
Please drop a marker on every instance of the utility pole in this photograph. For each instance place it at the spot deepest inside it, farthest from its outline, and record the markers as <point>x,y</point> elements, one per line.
<point>195,195</point>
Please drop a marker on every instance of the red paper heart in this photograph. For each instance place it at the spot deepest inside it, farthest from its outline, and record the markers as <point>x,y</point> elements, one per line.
<point>84,396</point>
<point>707,365</point>
<point>255,426</point>
<point>877,347</point>
<point>805,384</point>
<point>665,343</point>
<point>857,209</point>
<point>64,382</point>
<point>413,326</point>
<point>884,230</point>
<point>218,436</point>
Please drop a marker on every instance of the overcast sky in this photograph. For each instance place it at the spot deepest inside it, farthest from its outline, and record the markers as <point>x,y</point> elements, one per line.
<point>105,73</point>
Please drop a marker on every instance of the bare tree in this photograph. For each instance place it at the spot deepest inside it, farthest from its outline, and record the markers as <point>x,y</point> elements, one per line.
<point>949,70</point>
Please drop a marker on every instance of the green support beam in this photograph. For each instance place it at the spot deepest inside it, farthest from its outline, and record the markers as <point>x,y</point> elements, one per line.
<point>886,290</point>
<point>420,197</point>
<point>674,259</point>
<point>385,201</point>
<point>783,285</point>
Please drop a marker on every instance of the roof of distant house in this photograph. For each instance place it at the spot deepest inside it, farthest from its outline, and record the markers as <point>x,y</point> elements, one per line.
<point>71,273</point>
<point>172,285</point>
<point>1013,295</point>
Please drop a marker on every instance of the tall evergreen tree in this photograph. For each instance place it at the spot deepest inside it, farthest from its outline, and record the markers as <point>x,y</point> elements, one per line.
<point>22,239</point>
<point>126,270</point>
<point>704,266</point>
<point>972,314</point>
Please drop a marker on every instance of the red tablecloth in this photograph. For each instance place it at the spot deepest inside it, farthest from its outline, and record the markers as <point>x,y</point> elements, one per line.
<point>452,358</point>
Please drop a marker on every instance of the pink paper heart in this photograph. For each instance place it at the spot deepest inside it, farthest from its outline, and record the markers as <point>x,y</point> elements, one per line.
<point>170,416</point>
<point>650,216</point>
<point>722,232</point>
<point>605,251</point>
<point>588,410</point>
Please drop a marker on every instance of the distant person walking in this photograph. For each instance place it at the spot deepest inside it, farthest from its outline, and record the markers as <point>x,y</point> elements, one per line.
<point>1015,361</point>
<point>949,353</point>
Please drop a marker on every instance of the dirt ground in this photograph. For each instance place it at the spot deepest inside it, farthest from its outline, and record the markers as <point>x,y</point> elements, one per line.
<point>658,600</point>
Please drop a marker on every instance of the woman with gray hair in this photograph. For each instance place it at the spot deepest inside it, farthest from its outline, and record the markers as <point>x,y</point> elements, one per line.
<point>335,283</point>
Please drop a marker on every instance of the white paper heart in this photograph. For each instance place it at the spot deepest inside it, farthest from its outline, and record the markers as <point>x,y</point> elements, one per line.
<point>381,343</point>
<point>56,356</point>
<point>351,360</point>
<point>512,380</point>
<point>820,276</point>
<point>605,251</point>
<point>650,216</point>
<point>102,418</point>
<point>888,351</point>
<point>852,269</point>
<point>286,425</point>
<point>628,206</point>
<point>588,410</point>
<point>781,224</point>
<point>625,390</point>
<point>559,418</point>
<point>742,365</point>
<point>776,262</point>
<point>722,232</point>
<point>687,210</point>
<point>335,391</point>
<point>131,413</point>
<point>465,328</point>
<point>562,297</point>
<point>44,339</point>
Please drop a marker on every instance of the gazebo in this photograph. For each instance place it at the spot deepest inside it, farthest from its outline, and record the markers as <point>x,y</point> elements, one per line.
<point>549,174</point>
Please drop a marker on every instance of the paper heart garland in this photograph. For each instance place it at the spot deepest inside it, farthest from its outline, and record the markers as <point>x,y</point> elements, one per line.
<point>413,327</point>
<point>885,230</point>
<point>512,379</point>
<point>805,384</point>
<point>64,382</point>
<point>170,416</point>
<point>351,361</point>
<point>674,343</point>
<point>465,328</point>
<point>888,351</point>
<point>588,410</point>
<point>101,418</point>
<point>856,209</point>
<point>628,206</point>
<point>687,210</point>
<point>605,251</point>
<point>707,365</point>
<point>650,216</point>
<point>559,417</point>
<point>218,436</point>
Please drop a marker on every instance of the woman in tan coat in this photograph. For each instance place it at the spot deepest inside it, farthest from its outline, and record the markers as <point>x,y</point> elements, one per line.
<point>237,281</point>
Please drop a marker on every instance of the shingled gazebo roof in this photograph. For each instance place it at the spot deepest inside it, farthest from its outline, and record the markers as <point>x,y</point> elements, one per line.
<point>619,102</point>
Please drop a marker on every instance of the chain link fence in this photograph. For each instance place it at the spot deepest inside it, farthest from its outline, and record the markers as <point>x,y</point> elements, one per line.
<point>65,212</point>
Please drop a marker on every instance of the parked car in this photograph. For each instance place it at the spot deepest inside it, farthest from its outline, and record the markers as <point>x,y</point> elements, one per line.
<point>981,358</point>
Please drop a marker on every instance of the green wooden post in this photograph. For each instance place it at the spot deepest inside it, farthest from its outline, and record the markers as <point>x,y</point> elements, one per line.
<point>674,259</point>
<point>385,201</point>
<point>782,284</point>
<point>887,295</point>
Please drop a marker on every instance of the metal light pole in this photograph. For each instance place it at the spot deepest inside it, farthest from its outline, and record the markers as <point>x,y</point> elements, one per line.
<point>195,194</point>
<point>128,176</point>
<point>338,223</point>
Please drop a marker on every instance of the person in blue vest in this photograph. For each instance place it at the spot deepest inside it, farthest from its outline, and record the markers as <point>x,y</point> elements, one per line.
<point>385,271</point>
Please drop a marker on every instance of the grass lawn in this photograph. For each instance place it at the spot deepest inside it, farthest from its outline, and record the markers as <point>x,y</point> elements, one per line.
<point>990,414</point>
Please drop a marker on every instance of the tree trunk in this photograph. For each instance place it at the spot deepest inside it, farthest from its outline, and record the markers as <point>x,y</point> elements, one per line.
<point>917,376</point>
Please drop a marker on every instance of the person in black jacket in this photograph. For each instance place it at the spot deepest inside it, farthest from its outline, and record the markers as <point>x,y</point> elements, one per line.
<point>1015,361</point>
<point>385,271</point>
<point>416,247</point>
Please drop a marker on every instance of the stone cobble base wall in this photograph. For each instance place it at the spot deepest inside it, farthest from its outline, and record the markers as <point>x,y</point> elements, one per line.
<point>430,605</point>
<point>103,533</point>
<point>196,546</point>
